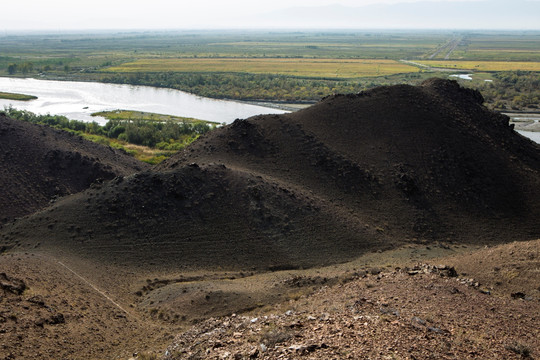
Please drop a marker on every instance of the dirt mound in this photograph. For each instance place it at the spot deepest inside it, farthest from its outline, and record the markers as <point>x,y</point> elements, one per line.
<point>351,174</point>
<point>195,217</point>
<point>39,164</point>
<point>506,270</point>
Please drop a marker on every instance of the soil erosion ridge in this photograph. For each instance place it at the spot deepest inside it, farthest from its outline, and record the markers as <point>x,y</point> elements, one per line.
<point>351,174</point>
<point>39,163</point>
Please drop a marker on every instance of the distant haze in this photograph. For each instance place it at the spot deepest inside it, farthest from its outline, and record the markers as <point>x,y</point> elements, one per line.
<point>59,15</point>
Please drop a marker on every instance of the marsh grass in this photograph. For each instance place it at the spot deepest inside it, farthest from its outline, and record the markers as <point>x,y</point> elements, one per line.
<point>18,97</point>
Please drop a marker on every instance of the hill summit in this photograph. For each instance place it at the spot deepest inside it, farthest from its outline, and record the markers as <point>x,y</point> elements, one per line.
<point>351,174</point>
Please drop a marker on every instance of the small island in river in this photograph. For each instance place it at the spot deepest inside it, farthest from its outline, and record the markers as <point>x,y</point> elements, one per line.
<point>15,96</point>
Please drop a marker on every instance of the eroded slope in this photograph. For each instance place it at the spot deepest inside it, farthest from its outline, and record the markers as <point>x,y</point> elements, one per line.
<point>39,164</point>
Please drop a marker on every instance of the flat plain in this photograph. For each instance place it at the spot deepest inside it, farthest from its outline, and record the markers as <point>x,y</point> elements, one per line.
<point>281,66</point>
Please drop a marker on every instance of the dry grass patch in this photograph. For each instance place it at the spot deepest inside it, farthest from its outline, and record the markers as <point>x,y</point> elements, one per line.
<point>317,68</point>
<point>485,65</point>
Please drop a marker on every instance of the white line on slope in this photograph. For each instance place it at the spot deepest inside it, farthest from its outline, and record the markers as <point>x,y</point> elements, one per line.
<point>95,288</point>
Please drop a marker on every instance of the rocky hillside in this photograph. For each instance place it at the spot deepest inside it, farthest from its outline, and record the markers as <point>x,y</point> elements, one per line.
<point>373,225</point>
<point>422,312</point>
<point>351,174</point>
<point>39,164</point>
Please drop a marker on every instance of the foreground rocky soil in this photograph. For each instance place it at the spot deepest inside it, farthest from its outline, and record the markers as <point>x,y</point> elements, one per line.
<point>482,303</point>
<point>423,312</point>
<point>49,312</point>
<point>386,316</point>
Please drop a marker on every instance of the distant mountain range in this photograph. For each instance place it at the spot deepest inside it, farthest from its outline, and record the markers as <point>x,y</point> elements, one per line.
<point>497,14</point>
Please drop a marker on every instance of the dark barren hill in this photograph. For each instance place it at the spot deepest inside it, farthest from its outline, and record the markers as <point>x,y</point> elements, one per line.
<point>39,163</point>
<point>351,174</point>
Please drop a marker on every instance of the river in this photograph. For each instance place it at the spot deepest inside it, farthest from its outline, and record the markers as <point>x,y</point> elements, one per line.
<point>534,136</point>
<point>78,100</point>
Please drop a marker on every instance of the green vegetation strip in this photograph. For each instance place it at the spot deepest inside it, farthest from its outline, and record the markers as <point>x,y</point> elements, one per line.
<point>150,141</point>
<point>14,96</point>
<point>147,116</point>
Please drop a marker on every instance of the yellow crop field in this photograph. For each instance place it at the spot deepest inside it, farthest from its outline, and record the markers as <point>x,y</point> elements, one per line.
<point>485,65</point>
<point>319,45</point>
<point>316,68</point>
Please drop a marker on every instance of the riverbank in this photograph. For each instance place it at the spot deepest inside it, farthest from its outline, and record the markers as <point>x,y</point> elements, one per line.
<point>279,105</point>
<point>527,121</point>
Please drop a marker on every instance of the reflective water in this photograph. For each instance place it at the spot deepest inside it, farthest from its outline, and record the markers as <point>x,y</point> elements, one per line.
<point>77,100</point>
<point>534,136</point>
<point>463,76</point>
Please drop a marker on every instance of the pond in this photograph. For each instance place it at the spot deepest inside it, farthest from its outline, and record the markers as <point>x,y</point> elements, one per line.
<point>463,76</point>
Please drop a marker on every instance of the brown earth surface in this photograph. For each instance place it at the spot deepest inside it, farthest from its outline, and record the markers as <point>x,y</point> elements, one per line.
<point>39,164</point>
<point>399,304</point>
<point>418,312</point>
<point>341,213</point>
<point>61,315</point>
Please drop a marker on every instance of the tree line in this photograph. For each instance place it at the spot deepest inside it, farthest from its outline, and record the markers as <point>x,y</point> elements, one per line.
<point>240,86</point>
<point>164,135</point>
<point>513,90</point>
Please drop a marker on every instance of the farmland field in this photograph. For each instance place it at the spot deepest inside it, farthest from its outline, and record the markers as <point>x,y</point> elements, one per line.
<point>312,68</point>
<point>283,66</point>
<point>484,65</point>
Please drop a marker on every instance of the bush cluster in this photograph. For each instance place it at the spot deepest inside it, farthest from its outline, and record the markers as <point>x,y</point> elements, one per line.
<point>164,135</point>
<point>241,86</point>
<point>515,90</point>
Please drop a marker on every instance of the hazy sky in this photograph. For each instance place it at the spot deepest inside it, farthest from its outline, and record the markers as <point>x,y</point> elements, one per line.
<point>168,14</point>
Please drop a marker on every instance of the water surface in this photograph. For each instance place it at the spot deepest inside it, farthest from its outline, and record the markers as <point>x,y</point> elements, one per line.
<point>463,76</point>
<point>77,100</point>
<point>534,136</point>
